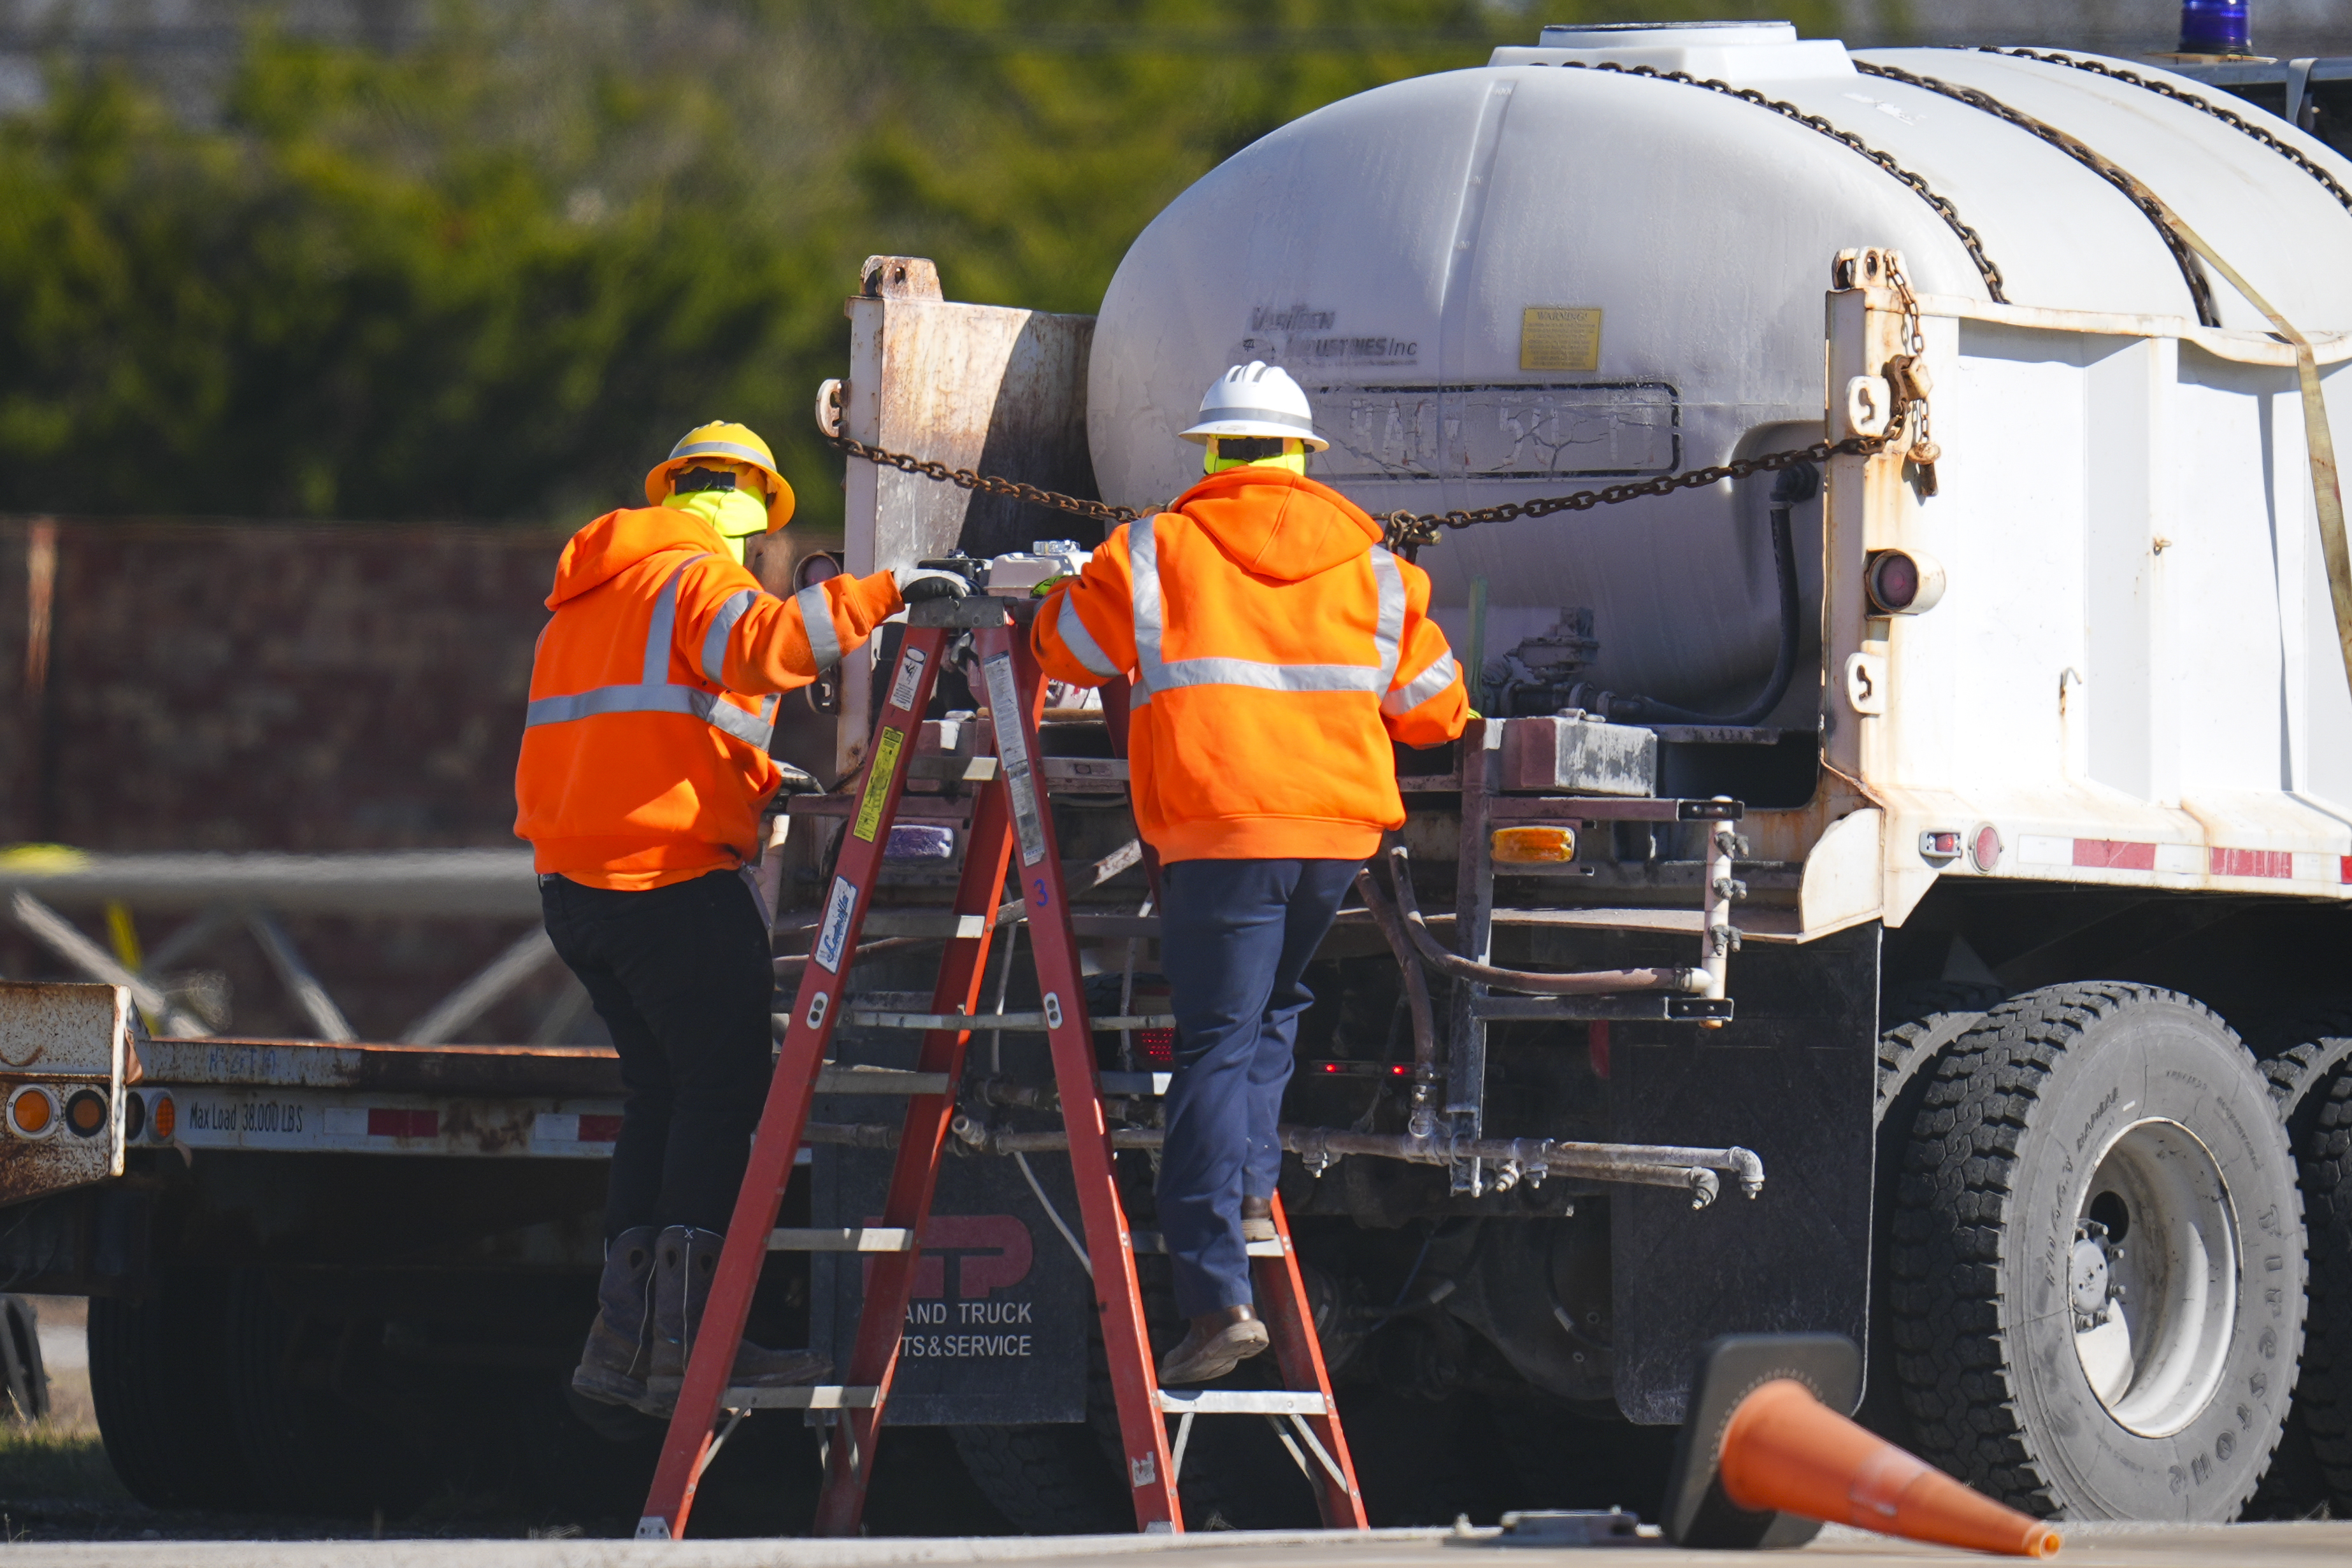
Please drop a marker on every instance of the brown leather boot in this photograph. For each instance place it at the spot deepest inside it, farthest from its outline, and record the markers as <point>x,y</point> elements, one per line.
<point>1215,1344</point>
<point>1257,1218</point>
<point>685,1262</point>
<point>619,1351</point>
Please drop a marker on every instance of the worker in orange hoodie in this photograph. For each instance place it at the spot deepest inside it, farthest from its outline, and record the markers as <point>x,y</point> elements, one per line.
<point>645,766</point>
<point>1276,650</point>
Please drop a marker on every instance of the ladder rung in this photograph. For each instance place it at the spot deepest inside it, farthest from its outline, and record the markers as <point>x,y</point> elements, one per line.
<point>951,768</point>
<point>853,1080</point>
<point>1152,1241</point>
<point>1016,1023</point>
<point>1080,774</point>
<point>1240,1402</point>
<point>1084,924</point>
<point>817,1396</point>
<point>898,922</point>
<point>862,1239</point>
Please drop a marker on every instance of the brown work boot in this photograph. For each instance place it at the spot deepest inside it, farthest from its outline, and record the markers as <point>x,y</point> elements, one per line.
<point>1257,1219</point>
<point>1215,1344</point>
<point>685,1262</point>
<point>619,1352</point>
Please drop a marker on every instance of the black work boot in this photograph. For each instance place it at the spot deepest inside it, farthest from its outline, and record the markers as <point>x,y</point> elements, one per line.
<point>1215,1344</point>
<point>619,1352</point>
<point>685,1262</point>
<point>1257,1218</point>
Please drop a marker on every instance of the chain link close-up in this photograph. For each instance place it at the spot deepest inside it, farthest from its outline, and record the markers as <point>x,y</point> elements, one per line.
<point>1402,530</point>
<point>982,483</point>
<point>2165,90</point>
<point>1970,239</point>
<point>2201,291</point>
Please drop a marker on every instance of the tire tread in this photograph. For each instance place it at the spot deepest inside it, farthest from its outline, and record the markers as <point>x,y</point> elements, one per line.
<point>1951,1227</point>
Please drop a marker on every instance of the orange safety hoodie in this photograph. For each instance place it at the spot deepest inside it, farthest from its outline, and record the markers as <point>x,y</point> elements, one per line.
<point>1276,650</point>
<point>645,754</point>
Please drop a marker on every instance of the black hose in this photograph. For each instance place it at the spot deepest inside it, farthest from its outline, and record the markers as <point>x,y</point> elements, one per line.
<point>1797,484</point>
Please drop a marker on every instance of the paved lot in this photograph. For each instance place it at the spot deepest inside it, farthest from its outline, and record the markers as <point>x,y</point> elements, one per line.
<point>2107,1546</point>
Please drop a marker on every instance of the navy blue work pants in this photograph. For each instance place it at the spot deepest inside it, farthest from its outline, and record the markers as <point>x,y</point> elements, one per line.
<point>1235,937</point>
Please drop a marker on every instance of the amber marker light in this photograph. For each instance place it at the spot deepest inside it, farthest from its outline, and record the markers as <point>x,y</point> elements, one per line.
<point>1534,846</point>
<point>86,1113</point>
<point>163,1119</point>
<point>32,1112</point>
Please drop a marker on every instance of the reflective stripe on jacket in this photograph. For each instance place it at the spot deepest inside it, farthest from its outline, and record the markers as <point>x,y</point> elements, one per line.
<point>654,695</point>
<point>1276,650</point>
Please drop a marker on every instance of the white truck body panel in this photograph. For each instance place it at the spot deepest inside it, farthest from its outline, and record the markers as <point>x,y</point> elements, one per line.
<point>1386,250</point>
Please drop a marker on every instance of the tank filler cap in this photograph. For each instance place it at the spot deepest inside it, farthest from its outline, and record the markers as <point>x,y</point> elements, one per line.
<point>1726,51</point>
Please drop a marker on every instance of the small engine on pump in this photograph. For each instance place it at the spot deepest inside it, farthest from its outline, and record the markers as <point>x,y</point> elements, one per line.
<point>1539,676</point>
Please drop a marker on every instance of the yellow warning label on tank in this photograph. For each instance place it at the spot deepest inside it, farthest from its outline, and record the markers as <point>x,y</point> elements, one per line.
<point>1559,338</point>
<point>878,784</point>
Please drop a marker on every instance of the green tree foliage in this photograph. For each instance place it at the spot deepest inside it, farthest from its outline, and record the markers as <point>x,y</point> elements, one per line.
<point>492,274</point>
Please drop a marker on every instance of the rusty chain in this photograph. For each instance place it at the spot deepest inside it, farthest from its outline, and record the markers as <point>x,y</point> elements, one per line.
<point>2200,289</point>
<point>2165,90</point>
<point>1407,531</point>
<point>979,484</point>
<point>1970,239</point>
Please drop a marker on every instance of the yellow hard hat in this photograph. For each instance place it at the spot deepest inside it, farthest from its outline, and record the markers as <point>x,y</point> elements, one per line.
<point>736,443</point>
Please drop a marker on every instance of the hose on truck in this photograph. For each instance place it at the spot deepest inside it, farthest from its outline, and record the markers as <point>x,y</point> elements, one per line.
<point>1795,486</point>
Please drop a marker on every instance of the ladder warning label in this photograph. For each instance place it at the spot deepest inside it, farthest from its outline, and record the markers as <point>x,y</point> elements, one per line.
<point>1012,752</point>
<point>833,932</point>
<point>910,670</point>
<point>877,785</point>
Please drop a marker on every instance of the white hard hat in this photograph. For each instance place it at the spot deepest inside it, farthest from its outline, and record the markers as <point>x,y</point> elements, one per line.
<point>1256,399</point>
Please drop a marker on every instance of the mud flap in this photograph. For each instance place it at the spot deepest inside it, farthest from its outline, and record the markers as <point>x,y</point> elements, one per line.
<point>996,1331</point>
<point>1791,1078</point>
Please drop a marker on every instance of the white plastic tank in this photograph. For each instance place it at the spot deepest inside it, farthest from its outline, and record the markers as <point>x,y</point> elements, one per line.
<point>1530,278</point>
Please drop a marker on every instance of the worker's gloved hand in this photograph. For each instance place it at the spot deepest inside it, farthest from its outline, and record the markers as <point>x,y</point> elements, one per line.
<point>1051,583</point>
<point>917,583</point>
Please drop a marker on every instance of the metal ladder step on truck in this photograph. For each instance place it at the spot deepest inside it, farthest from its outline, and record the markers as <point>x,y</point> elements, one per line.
<point>1900,546</point>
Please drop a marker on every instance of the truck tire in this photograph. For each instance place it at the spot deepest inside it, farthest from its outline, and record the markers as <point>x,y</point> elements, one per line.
<point>2302,1058</point>
<point>2324,1395</point>
<point>2065,1123</point>
<point>26,1380</point>
<point>156,1382</point>
<point>1046,1481</point>
<point>1915,1023</point>
<point>310,1450</point>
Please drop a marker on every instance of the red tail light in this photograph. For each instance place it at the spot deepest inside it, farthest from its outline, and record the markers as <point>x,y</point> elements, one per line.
<point>1155,1048</point>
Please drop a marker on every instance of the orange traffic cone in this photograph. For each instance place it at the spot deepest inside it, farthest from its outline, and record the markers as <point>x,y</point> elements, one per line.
<point>1783,1449</point>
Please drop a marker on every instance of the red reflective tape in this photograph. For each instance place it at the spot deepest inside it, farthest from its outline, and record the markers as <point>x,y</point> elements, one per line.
<point>2254,862</point>
<point>2115,855</point>
<point>383,1123</point>
<point>599,1129</point>
<point>2344,868</point>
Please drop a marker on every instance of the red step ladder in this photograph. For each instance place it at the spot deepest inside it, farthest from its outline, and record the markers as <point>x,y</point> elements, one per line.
<point>1010,819</point>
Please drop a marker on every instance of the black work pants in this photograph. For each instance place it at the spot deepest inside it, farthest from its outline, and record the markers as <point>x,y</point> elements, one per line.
<point>682,977</point>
